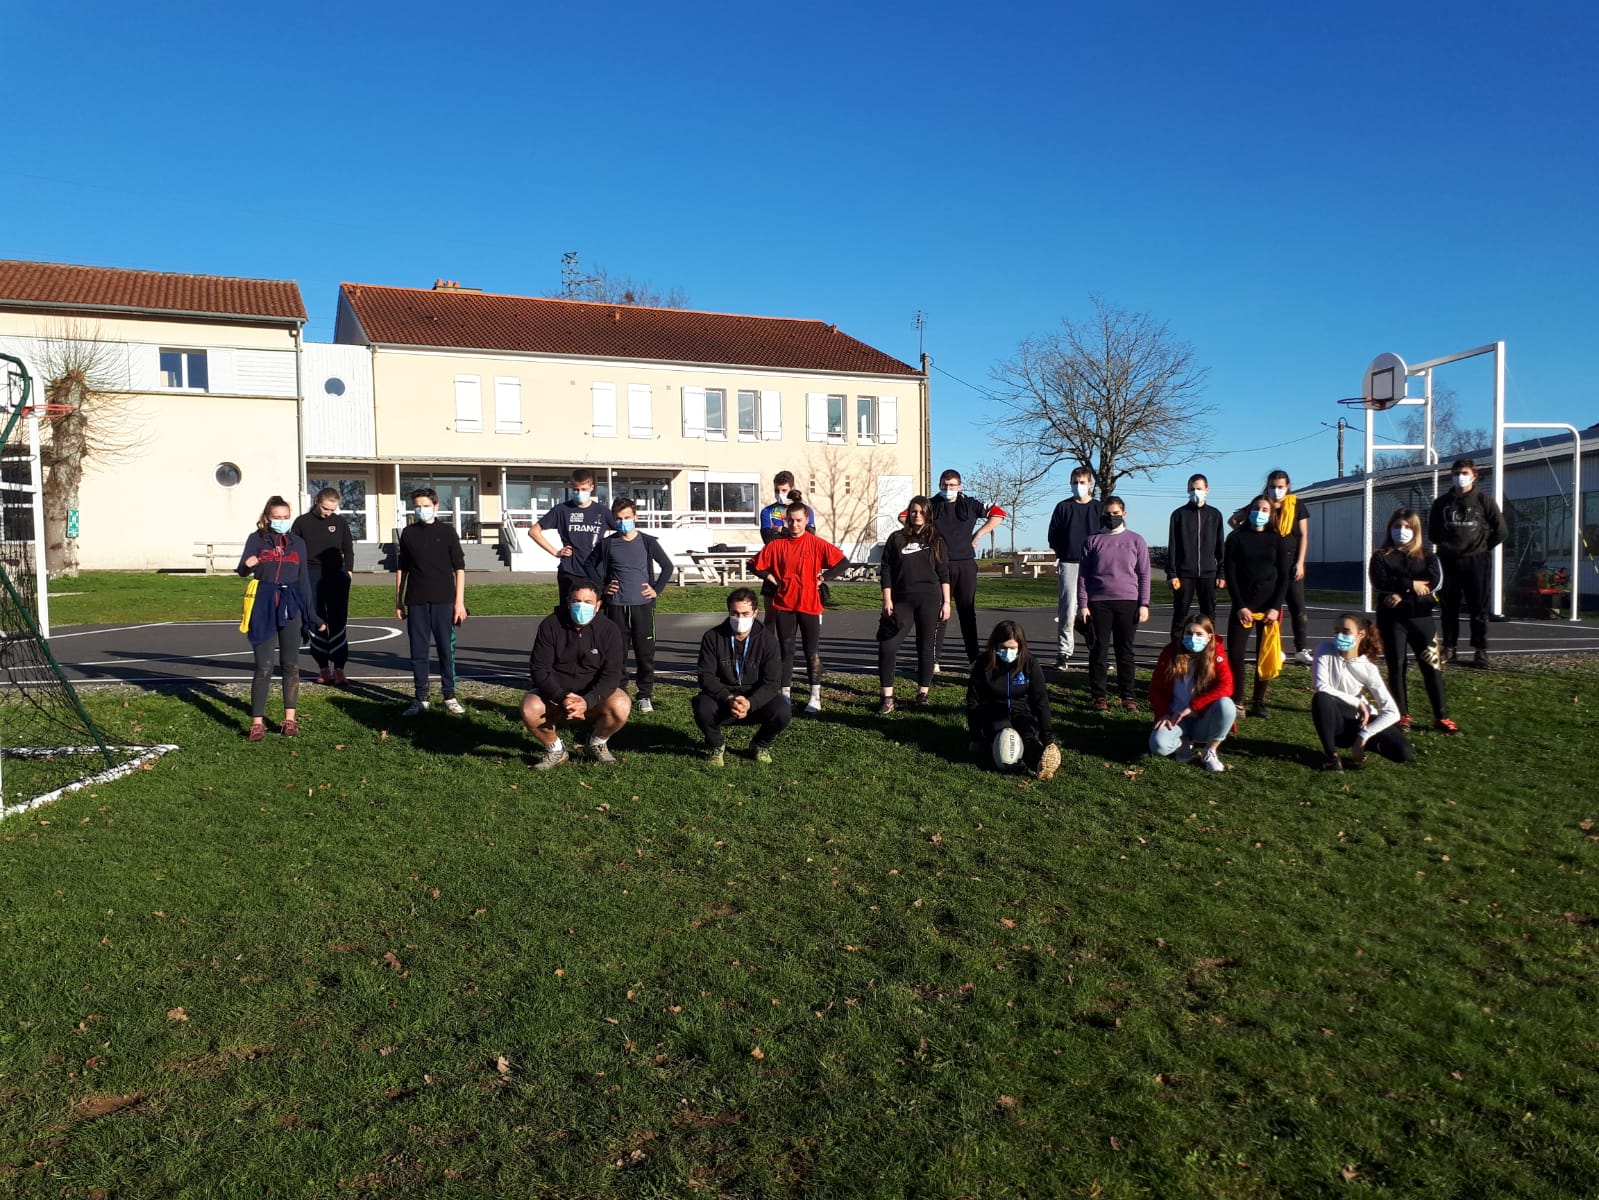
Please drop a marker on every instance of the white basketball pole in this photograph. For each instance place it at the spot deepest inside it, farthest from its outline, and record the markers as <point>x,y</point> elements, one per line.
<point>1576,507</point>
<point>40,568</point>
<point>1499,478</point>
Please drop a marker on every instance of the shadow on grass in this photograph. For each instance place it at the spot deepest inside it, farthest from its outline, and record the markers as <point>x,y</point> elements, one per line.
<point>230,712</point>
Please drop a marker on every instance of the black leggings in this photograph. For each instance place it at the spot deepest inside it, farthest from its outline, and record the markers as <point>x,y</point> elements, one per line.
<point>922,611</point>
<point>1337,728</point>
<point>1115,623</point>
<point>1202,590</point>
<point>963,599</point>
<point>287,644</point>
<point>1238,648</point>
<point>637,623</point>
<point>1295,606</point>
<point>329,646</point>
<point>1421,635</point>
<point>809,626</point>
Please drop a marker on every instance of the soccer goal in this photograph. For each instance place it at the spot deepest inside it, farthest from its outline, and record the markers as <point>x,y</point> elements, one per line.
<point>48,743</point>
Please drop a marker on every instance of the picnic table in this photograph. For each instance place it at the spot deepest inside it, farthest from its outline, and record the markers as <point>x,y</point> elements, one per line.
<point>723,566</point>
<point>1031,561</point>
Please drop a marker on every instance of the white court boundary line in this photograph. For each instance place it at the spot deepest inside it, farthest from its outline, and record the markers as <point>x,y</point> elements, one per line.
<point>387,635</point>
<point>147,754</point>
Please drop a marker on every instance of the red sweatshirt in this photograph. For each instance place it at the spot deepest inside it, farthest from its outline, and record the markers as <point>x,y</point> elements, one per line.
<point>1160,685</point>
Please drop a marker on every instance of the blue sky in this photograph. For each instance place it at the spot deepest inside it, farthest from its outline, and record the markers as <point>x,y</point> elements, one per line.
<point>1292,189</point>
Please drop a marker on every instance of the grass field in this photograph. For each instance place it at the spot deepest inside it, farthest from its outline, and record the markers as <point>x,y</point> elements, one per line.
<point>391,960</point>
<point>115,597</point>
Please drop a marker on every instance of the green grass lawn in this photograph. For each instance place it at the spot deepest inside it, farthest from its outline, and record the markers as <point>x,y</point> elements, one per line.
<point>115,597</point>
<point>389,959</point>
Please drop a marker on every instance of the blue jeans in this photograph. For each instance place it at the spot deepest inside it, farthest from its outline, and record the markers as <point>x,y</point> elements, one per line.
<point>1211,724</point>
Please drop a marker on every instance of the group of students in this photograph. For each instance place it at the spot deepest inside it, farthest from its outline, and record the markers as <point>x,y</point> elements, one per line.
<point>606,565</point>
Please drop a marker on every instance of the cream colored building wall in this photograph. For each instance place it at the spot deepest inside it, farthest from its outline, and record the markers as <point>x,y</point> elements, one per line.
<point>416,419</point>
<point>165,331</point>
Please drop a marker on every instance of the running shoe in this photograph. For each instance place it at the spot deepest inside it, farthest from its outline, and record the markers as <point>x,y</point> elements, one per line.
<point>645,704</point>
<point>923,700</point>
<point>1211,761</point>
<point>763,754</point>
<point>1101,704</point>
<point>1303,658</point>
<point>453,706</point>
<point>885,706</point>
<point>1480,660</point>
<point>338,677</point>
<point>1405,722</point>
<point>1445,725</point>
<point>324,676</point>
<point>291,728</point>
<point>601,753</point>
<point>814,707</point>
<point>716,757</point>
<point>1333,764</point>
<point>1260,712</point>
<point>418,707</point>
<point>257,733</point>
<point>551,759</point>
<point>1129,704</point>
<point>1183,753</point>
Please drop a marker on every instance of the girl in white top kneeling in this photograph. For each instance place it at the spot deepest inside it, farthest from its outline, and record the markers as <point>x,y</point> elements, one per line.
<point>1346,672</point>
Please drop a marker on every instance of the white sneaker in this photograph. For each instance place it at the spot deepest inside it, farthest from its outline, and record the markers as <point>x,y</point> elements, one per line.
<point>1304,658</point>
<point>937,670</point>
<point>645,704</point>
<point>814,707</point>
<point>453,706</point>
<point>418,707</point>
<point>1211,762</point>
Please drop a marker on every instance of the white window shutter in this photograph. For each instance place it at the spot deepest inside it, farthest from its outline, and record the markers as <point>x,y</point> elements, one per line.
<point>772,416</point>
<point>507,405</point>
<point>887,419</point>
<point>640,420</point>
<point>144,367</point>
<point>694,412</point>
<point>468,404</point>
<point>815,416</point>
<point>604,410</point>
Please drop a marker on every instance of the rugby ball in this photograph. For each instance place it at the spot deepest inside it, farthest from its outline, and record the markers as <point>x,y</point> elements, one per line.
<point>1007,748</point>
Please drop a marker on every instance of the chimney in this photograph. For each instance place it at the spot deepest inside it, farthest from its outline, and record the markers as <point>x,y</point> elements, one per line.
<point>452,285</point>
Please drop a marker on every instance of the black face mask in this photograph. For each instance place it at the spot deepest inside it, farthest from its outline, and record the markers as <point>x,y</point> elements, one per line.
<point>1112,523</point>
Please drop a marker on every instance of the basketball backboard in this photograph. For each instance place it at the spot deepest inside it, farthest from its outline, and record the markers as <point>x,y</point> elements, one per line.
<point>1384,384</point>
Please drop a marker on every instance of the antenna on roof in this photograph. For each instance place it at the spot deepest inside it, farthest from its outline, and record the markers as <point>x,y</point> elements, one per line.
<point>573,281</point>
<point>920,321</point>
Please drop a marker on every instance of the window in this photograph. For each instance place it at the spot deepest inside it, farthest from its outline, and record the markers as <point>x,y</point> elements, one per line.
<point>228,475</point>
<point>184,371</point>
<point>352,501</point>
<point>835,418</point>
<point>468,404</point>
<point>749,416</point>
<point>824,417</point>
<point>724,502</point>
<point>715,413</point>
<point>866,419</point>
<point>653,496</point>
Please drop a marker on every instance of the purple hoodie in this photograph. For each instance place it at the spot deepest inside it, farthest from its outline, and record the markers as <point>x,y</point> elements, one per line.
<point>1115,567</point>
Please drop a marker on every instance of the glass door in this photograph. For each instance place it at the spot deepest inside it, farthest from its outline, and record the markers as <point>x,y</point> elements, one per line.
<point>458,499</point>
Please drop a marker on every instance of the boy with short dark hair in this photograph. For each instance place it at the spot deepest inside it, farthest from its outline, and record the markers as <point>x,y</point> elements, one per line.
<point>1464,526</point>
<point>1075,520</point>
<point>430,596</point>
<point>1194,543</point>
<point>575,674</point>
<point>630,591</point>
<point>955,516</point>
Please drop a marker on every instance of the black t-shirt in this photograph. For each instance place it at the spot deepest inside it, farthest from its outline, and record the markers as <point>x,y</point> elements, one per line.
<point>955,523</point>
<point>581,529</point>
<point>430,555</point>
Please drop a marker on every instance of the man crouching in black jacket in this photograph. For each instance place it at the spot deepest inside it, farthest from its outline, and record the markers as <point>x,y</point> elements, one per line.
<point>576,669</point>
<point>739,681</point>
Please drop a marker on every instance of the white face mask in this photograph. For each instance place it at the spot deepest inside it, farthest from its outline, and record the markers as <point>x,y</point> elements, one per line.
<point>782,495</point>
<point>743,625</point>
<point>1082,490</point>
<point>425,513</point>
<point>1403,535</point>
<point>1278,492</point>
<point>1464,481</point>
<point>1197,495</point>
<point>951,492</point>
<point>582,495</point>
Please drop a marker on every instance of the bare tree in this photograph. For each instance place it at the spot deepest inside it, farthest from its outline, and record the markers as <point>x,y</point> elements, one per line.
<point>843,492</point>
<point>1449,438</point>
<point>1013,483</point>
<point>1116,392</point>
<point>86,380</point>
<point>606,288</point>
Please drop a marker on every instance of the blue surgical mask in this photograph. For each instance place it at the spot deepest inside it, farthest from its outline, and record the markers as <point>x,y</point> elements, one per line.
<point>1008,654</point>
<point>425,513</point>
<point>950,494</point>
<point>625,525</point>
<point>1258,519</point>
<point>582,611</point>
<point>280,526</point>
<point>1345,642</point>
<point>1195,642</point>
<point>582,495</point>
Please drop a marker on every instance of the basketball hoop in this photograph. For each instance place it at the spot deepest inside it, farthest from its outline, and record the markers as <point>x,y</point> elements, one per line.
<point>49,412</point>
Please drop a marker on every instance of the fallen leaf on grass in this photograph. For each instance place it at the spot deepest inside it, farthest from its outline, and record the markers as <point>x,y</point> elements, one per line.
<point>502,1066</point>
<point>391,960</point>
<point>346,947</point>
<point>93,1107</point>
<point>757,1054</point>
<point>1349,1172</point>
<point>177,1014</point>
<point>1007,923</point>
<point>1132,773</point>
<point>1007,1101</point>
<point>1585,825</point>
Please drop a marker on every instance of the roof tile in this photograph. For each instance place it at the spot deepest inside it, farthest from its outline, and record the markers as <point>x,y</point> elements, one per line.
<point>70,286</point>
<point>472,320</point>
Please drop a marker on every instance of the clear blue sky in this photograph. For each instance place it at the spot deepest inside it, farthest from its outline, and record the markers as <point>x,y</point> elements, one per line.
<point>1291,188</point>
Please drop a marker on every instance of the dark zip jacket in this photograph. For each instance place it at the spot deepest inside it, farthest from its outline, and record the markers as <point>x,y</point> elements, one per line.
<point>1463,524</point>
<point>725,673</point>
<point>1393,571</point>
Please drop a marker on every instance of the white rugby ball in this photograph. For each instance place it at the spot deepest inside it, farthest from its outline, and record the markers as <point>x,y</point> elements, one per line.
<point>1007,748</point>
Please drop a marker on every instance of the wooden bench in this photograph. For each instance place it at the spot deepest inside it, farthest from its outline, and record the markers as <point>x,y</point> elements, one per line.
<point>211,551</point>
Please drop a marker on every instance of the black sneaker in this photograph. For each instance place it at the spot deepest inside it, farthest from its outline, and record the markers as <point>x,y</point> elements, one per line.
<point>1260,710</point>
<point>1480,660</point>
<point>1449,655</point>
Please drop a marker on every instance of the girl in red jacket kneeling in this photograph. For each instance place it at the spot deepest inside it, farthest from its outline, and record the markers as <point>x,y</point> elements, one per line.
<point>1191,697</point>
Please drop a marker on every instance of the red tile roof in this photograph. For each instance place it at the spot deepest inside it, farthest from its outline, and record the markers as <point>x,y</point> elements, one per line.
<point>66,286</point>
<point>469,320</point>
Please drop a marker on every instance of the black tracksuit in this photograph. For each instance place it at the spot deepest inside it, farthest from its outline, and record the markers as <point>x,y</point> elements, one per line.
<point>332,552</point>
<point>915,573</point>
<point>1464,527</point>
<point>1409,622</point>
<point>1194,560</point>
<point>955,522</point>
<point>1258,566</point>
<point>750,668</point>
<point>430,555</point>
